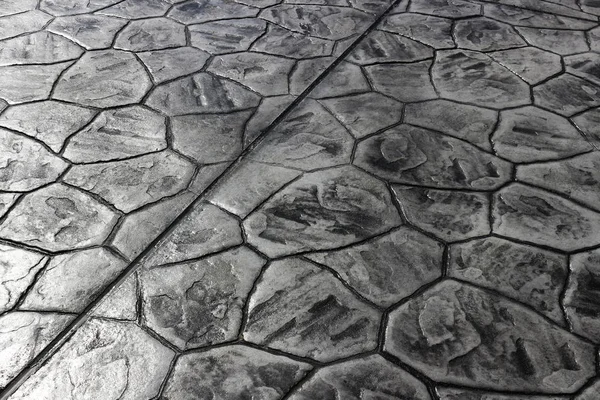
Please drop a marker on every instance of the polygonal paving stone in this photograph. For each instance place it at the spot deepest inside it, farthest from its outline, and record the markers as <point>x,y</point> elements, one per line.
<point>531,64</point>
<point>58,217</point>
<point>343,80</point>
<point>563,42</point>
<point>465,394</point>
<point>530,18</point>
<point>531,134</point>
<point>590,6</point>
<point>104,78</point>
<point>484,34</point>
<point>460,334</point>
<point>22,336</point>
<point>49,121</point>
<point>10,7</point>
<point>25,164</point>
<point>590,393</point>
<point>18,24</point>
<point>151,34</point>
<point>387,269</point>
<point>268,111</point>
<point>102,360</point>
<point>468,76</point>
<point>283,42</point>
<point>370,377</point>
<point>302,309</point>
<point>551,7</point>
<point>18,269</point>
<point>6,202</point>
<point>407,154</point>
<point>446,8</point>
<point>120,133</point>
<point>594,36</point>
<point>247,371</point>
<point>130,184</point>
<point>169,64</point>
<point>23,83</point>
<point>322,210</point>
<point>38,48</point>
<point>380,46</point>
<point>135,9</point>
<point>466,122</point>
<point>90,31</point>
<point>586,66</point>
<point>199,303</point>
<point>567,95</point>
<point>404,82</point>
<point>121,303</point>
<point>589,123</point>
<point>70,7</point>
<point>306,72</point>
<point>540,217</point>
<point>197,11</point>
<point>227,36</point>
<point>432,31</point>
<point>449,215</point>
<point>201,93</point>
<point>525,273</point>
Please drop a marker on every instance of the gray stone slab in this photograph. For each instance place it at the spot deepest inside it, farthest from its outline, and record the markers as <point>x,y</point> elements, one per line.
<point>227,36</point>
<point>151,34</point>
<point>6,202</point>
<point>561,41</point>
<point>404,82</point>
<point>121,303</point>
<point>345,79</point>
<point>581,94</point>
<point>381,46</point>
<point>465,394</point>
<point>38,48</point>
<point>197,11</point>
<point>24,83</point>
<point>484,34</point>
<point>427,29</point>
<point>10,7</point>
<point>531,18</point>
<point>586,66</point>
<point>446,8</point>
<point>283,42</point>
<point>71,7</point>
<point>168,64</point>
<point>589,123</point>
<point>531,64</point>
<point>138,9</point>
<point>18,24</point>
<point>89,30</point>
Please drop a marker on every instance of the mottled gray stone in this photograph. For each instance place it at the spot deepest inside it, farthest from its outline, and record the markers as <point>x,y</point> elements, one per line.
<point>387,269</point>
<point>121,303</point>
<point>532,18</point>
<point>302,309</point>
<point>549,7</point>
<point>432,31</point>
<point>151,34</point>
<point>227,36</point>
<point>23,83</point>
<point>201,93</point>
<point>70,7</point>
<point>322,210</point>
<point>381,46</point>
<point>136,9</point>
<point>307,71</point>
<point>594,36</point>
<point>18,24</point>
<point>460,334</point>
<point>18,269</point>
<point>199,303</point>
<point>104,78</point>
<point>132,183</point>
<point>563,42</point>
<point>280,41</point>
<point>589,123</point>
<point>169,64</point>
<point>590,393</point>
<point>484,34</point>
<point>531,64</point>
<point>246,372</point>
<point>446,8</point>
<point>197,11</point>
<point>416,156</point>
<point>405,82</point>
<point>22,337</point>
<point>373,6</point>
<point>544,218</point>
<point>465,394</point>
<point>25,164</point>
<point>10,7</point>
<point>344,79</point>
<point>590,6</point>
<point>267,112</point>
<point>449,215</point>
<point>580,93</point>
<point>465,75</point>
<point>525,273</point>
<point>531,134</point>
<point>586,66</point>
<point>370,377</point>
<point>90,31</point>
<point>6,201</point>
<point>38,48</point>
<point>466,122</point>
<point>103,360</point>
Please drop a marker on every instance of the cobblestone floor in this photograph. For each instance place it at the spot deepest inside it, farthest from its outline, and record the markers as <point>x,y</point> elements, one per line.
<point>299,199</point>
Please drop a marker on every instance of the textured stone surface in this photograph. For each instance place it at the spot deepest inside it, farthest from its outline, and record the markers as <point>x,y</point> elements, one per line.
<point>133,9</point>
<point>38,48</point>
<point>447,8</point>
<point>464,394</point>
<point>346,79</point>
<point>6,202</point>
<point>531,64</point>
<point>581,94</point>
<point>18,269</point>
<point>384,46</point>
<point>151,34</point>
<point>69,7</point>
<point>283,42</point>
<point>404,82</point>
<point>18,24</point>
<point>121,303</point>
<point>432,31</point>
<point>20,84</point>
<point>529,17</point>
<point>563,42</point>
<point>589,123</point>
<point>197,11</point>
<point>484,34</point>
<point>90,31</point>
<point>219,37</point>
<point>169,64</point>
<point>585,66</point>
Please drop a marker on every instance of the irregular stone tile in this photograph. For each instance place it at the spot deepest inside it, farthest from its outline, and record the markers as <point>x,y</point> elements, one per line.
<point>544,218</point>
<point>268,111</point>
<point>590,393</point>
<point>203,230</point>
<point>136,9</point>
<point>22,337</point>
<point>25,164</point>
<point>308,138</point>
<point>10,7</point>
<point>49,121</point>
<point>432,31</point>
<point>322,210</point>
<point>263,73</point>
<point>590,6</point>
<point>594,36</point>
<point>227,36</point>
<point>168,64</point>
<point>70,7</point>
<point>531,134</point>
<point>563,42</point>
<point>484,34</point>
<point>200,303</point>
<point>249,185</point>
<point>302,309</point>
<point>18,269</point>
<point>525,273</point>
<point>460,334</point>
<point>71,281</point>
<point>465,75</point>
<point>132,183</point>
<point>256,3</point>
<point>151,34</point>
<point>3,105</point>
<point>104,78</point>
<point>247,371</point>
<point>407,154</point>
<point>58,217</point>
<point>282,42</point>
<point>567,95</point>
<point>404,82</point>
<point>121,303</point>
<point>6,201</point>
<point>90,31</point>
<point>18,24</point>
<point>103,360</point>
<point>206,175</point>
<point>589,123</point>
<point>464,394</point>
<point>120,133</point>
<point>307,71</point>
<point>389,268</point>
<point>344,79</point>
<point>374,6</point>
<point>531,64</point>
<point>446,8</point>
<point>23,83</point>
<point>585,66</point>
<point>372,376</point>
<point>449,215</point>
<point>530,18</point>
<point>197,11</point>
<point>38,48</point>
<point>549,7</point>
<point>325,22</point>
<point>380,46</point>
<point>201,93</point>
